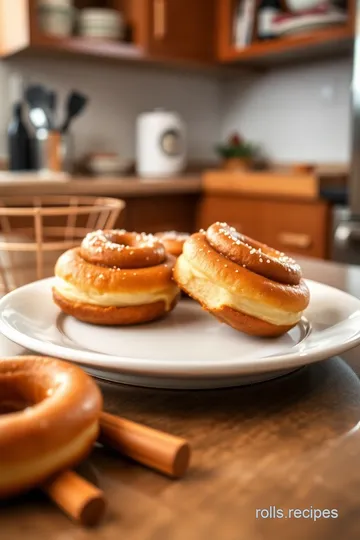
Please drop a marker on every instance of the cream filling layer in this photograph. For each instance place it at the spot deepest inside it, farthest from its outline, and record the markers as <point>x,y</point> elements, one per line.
<point>72,293</point>
<point>215,296</point>
<point>14,474</point>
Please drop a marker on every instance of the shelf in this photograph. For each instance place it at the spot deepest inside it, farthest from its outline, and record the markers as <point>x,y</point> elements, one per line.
<point>320,44</point>
<point>86,47</point>
<point>112,51</point>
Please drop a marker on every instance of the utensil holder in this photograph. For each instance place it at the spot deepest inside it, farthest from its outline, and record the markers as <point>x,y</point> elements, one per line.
<point>52,151</point>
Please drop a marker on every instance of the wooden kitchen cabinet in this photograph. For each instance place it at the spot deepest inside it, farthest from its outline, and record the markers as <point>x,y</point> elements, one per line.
<point>297,227</point>
<point>182,29</point>
<point>157,30</point>
<point>323,42</point>
<point>290,226</point>
<point>238,213</point>
<point>160,213</point>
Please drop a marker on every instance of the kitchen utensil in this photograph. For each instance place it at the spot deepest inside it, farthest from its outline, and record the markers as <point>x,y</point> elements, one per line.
<point>38,99</point>
<point>53,105</point>
<point>77,497</point>
<point>155,449</point>
<point>161,144</point>
<point>52,151</point>
<point>75,105</point>
<point>173,352</point>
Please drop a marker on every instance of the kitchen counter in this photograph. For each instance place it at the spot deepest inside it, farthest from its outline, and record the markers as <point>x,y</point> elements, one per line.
<point>282,183</point>
<point>274,184</point>
<point>126,186</point>
<point>292,442</point>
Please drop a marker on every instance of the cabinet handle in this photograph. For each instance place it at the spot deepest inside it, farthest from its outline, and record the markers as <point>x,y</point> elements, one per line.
<point>302,241</point>
<point>159,19</point>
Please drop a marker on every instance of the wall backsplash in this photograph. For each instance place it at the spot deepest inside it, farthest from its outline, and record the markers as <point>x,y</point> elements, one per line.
<point>118,93</point>
<point>299,113</point>
<point>295,113</point>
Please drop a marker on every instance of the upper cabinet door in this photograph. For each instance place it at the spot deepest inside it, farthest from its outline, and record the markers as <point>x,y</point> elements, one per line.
<point>183,29</point>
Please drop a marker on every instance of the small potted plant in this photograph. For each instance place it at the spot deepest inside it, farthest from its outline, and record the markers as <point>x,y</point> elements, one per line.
<point>236,153</point>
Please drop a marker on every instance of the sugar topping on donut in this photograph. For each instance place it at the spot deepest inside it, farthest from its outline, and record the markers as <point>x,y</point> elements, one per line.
<point>253,255</point>
<point>246,284</point>
<point>122,249</point>
<point>116,277</point>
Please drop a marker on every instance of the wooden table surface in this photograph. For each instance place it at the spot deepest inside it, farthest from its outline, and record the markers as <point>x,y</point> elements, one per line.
<point>293,443</point>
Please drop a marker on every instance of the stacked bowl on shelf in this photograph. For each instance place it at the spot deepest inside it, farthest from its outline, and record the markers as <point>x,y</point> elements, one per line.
<point>56,17</point>
<point>101,23</point>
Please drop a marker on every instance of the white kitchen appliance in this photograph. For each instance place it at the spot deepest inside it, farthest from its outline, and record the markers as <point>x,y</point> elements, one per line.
<point>160,144</point>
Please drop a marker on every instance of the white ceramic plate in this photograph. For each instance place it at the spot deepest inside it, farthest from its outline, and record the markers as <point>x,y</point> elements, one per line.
<point>187,349</point>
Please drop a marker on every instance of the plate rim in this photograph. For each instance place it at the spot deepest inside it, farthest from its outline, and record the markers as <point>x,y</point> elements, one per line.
<point>165,368</point>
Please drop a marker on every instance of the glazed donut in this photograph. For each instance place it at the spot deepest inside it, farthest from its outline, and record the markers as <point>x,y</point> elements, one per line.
<point>116,278</point>
<point>173,241</point>
<point>244,283</point>
<point>51,420</point>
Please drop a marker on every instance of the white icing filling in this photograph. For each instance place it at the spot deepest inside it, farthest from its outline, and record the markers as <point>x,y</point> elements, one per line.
<point>72,293</point>
<point>215,296</point>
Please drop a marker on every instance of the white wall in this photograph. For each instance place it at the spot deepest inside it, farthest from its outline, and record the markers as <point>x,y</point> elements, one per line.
<point>296,113</point>
<point>118,93</point>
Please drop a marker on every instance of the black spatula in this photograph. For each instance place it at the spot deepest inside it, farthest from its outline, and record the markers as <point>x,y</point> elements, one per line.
<point>75,105</point>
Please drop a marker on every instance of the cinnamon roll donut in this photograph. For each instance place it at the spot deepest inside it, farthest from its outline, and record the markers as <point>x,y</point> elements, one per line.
<point>50,422</point>
<point>244,283</point>
<point>116,278</point>
<point>173,241</point>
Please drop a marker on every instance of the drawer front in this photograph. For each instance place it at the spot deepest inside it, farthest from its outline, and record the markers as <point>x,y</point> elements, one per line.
<point>297,228</point>
<point>161,213</point>
<point>238,213</point>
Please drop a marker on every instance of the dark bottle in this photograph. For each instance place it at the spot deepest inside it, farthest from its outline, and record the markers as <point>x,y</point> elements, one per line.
<point>268,9</point>
<point>18,141</point>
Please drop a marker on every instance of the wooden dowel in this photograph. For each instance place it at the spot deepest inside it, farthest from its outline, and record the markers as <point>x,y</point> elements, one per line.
<point>79,499</point>
<point>155,449</point>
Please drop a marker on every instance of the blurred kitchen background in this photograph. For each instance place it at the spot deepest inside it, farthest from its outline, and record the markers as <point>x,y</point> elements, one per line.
<point>190,110</point>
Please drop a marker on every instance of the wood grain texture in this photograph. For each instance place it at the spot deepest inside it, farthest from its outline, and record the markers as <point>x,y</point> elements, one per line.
<point>128,186</point>
<point>289,443</point>
<point>187,33</point>
<point>161,213</point>
<point>326,42</point>
<point>183,29</point>
<point>281,183</point>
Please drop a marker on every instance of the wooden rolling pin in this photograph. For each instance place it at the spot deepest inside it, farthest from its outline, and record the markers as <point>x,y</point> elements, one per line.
<point>161,451</point>
<point>84,502</point>
<point>79,499</point>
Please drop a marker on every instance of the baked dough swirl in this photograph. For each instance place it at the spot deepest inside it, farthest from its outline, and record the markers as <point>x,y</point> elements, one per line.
<point>116,278</point>
<point>52,420</point>
<point>173,241</point>
<point>244,283</point>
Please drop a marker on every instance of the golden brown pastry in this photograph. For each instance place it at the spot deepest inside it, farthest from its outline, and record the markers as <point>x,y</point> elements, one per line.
<point>53,421</point>
<point>244,283</point>
<point>173,241</point>
<point>116,278</point>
